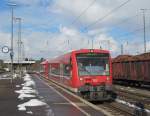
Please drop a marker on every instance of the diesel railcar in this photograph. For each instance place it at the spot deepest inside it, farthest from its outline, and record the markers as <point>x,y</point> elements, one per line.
<point>87,72</point>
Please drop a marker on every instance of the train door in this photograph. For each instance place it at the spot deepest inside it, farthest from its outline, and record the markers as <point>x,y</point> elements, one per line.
<point>61,73</point>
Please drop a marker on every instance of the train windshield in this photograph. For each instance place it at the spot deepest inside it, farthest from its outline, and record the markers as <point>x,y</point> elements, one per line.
<point>91,64</point>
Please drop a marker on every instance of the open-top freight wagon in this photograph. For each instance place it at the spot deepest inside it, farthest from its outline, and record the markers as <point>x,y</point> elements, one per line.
<point>133,70</point>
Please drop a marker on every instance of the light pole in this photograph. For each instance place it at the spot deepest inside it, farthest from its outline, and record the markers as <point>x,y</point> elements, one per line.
<point>144,30</point>
<point>11,50</point>
<point>122,49</point>
<point>107,44</point>
<point>19,43</point>
<point>92,43</point>
<point>143,10</point>
<point>23,51</point>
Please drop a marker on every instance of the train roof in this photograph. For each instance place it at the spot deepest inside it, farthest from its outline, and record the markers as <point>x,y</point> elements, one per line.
<point>66,57</point>
<point>90,50</point>
<point>126,58</point>
<point>63,58</point>
<point>44,62</point>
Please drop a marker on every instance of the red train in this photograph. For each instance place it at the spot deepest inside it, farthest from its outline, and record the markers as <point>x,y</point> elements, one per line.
<point>87,72</point>
<point>133,70</point>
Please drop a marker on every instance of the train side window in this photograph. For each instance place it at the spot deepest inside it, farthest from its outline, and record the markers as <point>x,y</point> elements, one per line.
<point>107,67</point>
<point>66,69</point>
<point>55,69</point>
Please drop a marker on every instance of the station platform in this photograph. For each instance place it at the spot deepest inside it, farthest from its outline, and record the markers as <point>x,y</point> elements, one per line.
<point>8,99</point>
<point>40,99</point>
<point>62,104</point>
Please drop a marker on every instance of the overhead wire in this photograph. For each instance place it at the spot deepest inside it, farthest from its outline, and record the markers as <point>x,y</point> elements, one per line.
<point>108,14</point>
<point>132,32</point>
<point>83,12</point>
<point>123,21</point>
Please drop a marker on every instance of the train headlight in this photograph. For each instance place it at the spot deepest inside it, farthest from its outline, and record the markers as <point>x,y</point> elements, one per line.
<point>95,80</point>
<point>91,50</point>
<point>81,79</point>
<point>107,78</point>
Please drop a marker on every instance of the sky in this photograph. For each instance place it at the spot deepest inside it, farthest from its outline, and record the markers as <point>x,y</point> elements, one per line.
<point>54,27</point>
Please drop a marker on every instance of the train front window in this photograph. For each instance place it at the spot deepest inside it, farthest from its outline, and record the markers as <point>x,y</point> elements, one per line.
<point>93,64</point>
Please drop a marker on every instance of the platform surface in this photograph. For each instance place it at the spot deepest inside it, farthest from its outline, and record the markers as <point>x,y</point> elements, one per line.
<point>54,103</point>
<point>58,103</point>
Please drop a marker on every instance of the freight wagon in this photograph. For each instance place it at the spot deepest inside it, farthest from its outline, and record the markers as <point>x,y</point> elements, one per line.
<point>133,70</point>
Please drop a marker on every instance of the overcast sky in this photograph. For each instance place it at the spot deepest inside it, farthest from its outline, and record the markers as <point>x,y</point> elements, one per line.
<point>54,27</point>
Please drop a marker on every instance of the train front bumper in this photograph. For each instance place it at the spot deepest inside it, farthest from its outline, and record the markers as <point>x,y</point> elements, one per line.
<point>96,93</point>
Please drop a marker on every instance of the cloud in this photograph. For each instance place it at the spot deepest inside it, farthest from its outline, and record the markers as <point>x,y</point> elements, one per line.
<point>106,42</point>
<point>50,45</point>
<point>31,2</point>
<point>4,41</point>
<point>47,29</point>
<point>73,8</point>
<point>135,47</point>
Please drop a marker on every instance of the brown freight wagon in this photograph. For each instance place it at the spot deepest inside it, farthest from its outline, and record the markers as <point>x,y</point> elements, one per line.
<point>132,69</point>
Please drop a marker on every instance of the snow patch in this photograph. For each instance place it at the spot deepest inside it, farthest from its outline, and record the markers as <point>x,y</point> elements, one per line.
<point>29,112</point>
<point>130,105</point>
<point>28,83</point>
<point>27,88</point>
<point>126,103</point>
<point>15,76</point>
<point>122,88</point>
<point>131,90</point>
<point>6,75</point>
<point>31,103</point>
<point>17,86</point>
<point>25,91</point>
<point>23,95</point>
<point>27,77</point>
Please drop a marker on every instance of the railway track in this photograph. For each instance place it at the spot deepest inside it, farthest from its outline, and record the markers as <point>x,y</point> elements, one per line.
<point>139,92</point>
<point>109,109</point>
<point>117,109</point>
<point>134,97</point>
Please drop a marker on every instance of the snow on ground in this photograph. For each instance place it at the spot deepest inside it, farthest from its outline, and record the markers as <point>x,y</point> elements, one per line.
<point>31,103</point>
<point>15,76</point>
<point>29,112</point>
<point>28,81</point>
<point>26,88</point>
<point>130,105</point>
<point>5,76</point>
<point>23,95</point>
<point>129,89</point>
<point>18,86</point>
<point>27,91</point>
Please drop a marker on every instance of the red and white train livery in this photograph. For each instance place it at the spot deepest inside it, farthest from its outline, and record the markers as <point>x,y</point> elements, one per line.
<point>88,72</point>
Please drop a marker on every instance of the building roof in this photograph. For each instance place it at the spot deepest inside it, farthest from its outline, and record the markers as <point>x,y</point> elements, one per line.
<point>20,62</point>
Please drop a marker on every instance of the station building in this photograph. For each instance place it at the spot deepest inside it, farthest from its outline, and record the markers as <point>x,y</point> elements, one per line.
<point>25,65</point>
